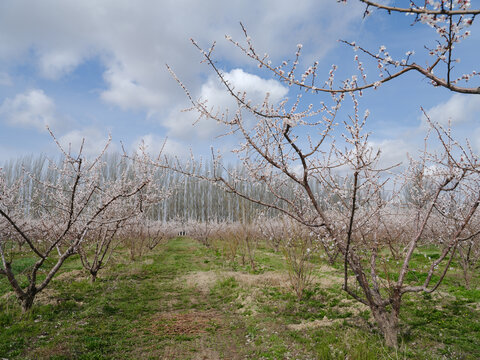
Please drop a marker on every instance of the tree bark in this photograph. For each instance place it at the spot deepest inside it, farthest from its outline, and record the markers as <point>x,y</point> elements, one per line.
<point>26,301</point>
<point>93,277</point>
<point>388,323</point>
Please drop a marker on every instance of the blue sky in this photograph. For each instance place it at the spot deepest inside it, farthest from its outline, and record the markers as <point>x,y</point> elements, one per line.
<point>89,68</point>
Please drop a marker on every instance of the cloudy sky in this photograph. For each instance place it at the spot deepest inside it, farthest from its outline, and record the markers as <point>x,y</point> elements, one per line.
<point>91,68</point>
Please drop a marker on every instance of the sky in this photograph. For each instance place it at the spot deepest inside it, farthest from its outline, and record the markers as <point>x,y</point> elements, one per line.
<point>87,69</point>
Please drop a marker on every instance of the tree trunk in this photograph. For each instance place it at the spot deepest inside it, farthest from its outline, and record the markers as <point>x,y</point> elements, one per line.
<point>466,276</point>
<point>388,323</point>
<point>93,276</point>
<point>27,301</point>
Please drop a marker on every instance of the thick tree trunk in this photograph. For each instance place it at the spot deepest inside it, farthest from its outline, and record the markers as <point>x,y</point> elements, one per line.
<point>388,323</point>
<point>26,301</point>
<point>93,276</point>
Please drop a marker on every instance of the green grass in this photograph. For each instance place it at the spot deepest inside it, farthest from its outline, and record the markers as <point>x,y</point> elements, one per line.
<point>148,310</point>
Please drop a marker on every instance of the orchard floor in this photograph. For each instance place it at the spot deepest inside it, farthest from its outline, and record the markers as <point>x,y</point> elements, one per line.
<point>183,301</point>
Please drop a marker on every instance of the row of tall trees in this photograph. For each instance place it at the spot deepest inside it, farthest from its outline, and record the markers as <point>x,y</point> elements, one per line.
<point>190,198</point>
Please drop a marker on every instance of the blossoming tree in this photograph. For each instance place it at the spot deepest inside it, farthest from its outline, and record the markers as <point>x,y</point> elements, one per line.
<point>293,148</point>
<point>68,206</point>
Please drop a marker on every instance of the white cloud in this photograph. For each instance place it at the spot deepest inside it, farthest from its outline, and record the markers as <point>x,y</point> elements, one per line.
<point>458,109</point>
<point>134,40</point>
<point>56,63</point>
<point>130,43</point>
<point>33,109</point>
<point>93,141</point>
<point>393,151</point>
<point>126,93</point>
<point>256,88</point>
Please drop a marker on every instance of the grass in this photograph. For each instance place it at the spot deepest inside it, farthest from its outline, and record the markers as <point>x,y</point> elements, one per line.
<point>183,302</point>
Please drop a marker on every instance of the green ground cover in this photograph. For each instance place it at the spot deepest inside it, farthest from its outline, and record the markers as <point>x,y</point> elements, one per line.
<point>184,301</point>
